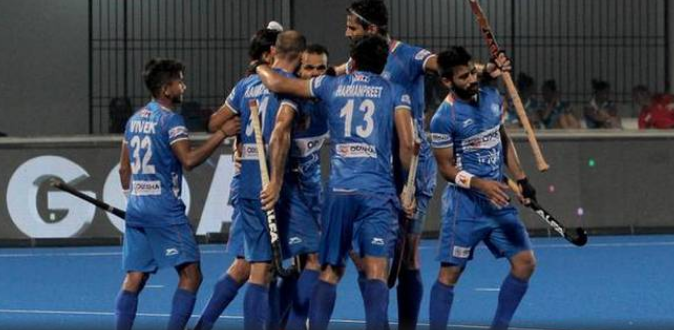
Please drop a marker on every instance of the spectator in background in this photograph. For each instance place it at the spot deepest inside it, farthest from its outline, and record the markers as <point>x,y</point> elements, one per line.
<point>554,113</point>
<point>657,111</point>
<point>601,112</point>
<point>527,90</point>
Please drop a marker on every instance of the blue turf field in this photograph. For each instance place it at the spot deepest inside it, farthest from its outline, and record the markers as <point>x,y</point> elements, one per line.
<point>622,282</point>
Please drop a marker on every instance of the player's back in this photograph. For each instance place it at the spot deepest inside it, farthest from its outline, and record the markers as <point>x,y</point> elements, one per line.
<point>156,178</point>
<point>247,90</point>
<point>405,67</point>
<point>360,114</point>
<point>473,131</point>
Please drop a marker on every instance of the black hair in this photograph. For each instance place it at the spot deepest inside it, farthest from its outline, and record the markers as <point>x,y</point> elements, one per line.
<point>290,43</point>
<point>600,85</point>
<point>524,81</point>
<point>550,85</point>
<point>159,72</point>
<point>450,59</point>
<point>317,49</point>
<point>373,11</point>
<point>370,53</point>
<point>261,43</point>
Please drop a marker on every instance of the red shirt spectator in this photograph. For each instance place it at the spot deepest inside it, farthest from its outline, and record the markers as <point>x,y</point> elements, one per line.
<point>659,114</point>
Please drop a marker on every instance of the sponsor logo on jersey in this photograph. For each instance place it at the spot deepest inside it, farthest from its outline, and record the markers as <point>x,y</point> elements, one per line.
<point>360,77</point>
<point>249,151</point>
<point>467,122</point>
<point>144,113</point>
<point>422,54</point>
<point>308,146</point>
<point>171,252</point>
<point>294,240</point>
<point>378,241</point>
<point>176,132</point>
<point>146,188</point>
<point>485,140</point>
<point>356,150</point>
<point>461,252</point>
<point>405,99</point>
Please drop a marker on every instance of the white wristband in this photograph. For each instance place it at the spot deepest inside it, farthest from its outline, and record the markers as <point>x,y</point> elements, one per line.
<point>462,179</point>
<point>126,193</point>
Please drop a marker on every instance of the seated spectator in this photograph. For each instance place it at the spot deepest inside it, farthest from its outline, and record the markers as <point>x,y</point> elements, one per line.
<point>554,113</point>
<point>658,113</point>
<point>527,89</point>
<point>601,112</point>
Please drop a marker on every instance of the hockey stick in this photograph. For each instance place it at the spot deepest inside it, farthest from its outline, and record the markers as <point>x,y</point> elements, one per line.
<point>408,191</point>
<point>277,256</point>
<point>59,184</point>
<point>577,237</point>
<point>510,85</point>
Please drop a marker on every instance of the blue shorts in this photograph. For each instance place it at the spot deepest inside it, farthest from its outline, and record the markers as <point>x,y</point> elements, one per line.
<point>147,249</point>
<point>299,225</point>
<point>298,230</point>
<point>360,221</point>
<point>468,219</point>
<point>235,243</point>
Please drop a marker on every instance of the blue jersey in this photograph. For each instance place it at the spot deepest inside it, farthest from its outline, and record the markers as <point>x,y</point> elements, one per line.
<point>405,67</point>
<point>156,173</point>
<point>360,114</point>
<point>473,131</point>
<point>247,89</point>
<point>309,135</point>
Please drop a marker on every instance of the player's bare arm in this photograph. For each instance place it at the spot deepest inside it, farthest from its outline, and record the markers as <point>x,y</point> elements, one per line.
<point>219,117</point>
<point>283,85</point>
<point>125,167</point>
<point>494,190</point>
<point>192,157</point>
<point>404,129</point>
<point>279,144</point>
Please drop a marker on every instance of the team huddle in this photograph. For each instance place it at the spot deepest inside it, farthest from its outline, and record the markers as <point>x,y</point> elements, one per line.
<point>372,111</point>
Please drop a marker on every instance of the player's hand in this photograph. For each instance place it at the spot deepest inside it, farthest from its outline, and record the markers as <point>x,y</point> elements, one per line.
<point>232,126</point>
<point>270,195</point>
<point>409,204</point>
<point>498,65</point>
<point>527,192</point>
<point>494,190</point>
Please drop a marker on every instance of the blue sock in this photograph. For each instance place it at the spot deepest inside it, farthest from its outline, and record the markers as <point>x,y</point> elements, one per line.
<point>410,293</point>
<point>322,304</point>
<point>274,319</point>
<point>255,307</point>
<point>287,289</point>
<point>125,309</point>
<point>512,291</point>
<point>224,292</point>
<point>362,279</point>
<point>183,305</point>
<point>300,305</point>
<point>442,297</point>
<point>376,305</point>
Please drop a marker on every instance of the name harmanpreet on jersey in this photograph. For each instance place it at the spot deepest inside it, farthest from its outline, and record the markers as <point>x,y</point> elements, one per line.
<point>360,114</point>
<point>251,88</point>
<point>405,66</point>
<point>473,131</point>
<point>156,179</point>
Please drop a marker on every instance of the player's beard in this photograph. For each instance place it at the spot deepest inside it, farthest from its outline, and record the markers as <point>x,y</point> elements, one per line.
<point>467,93</point>
<point>177,99</point>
